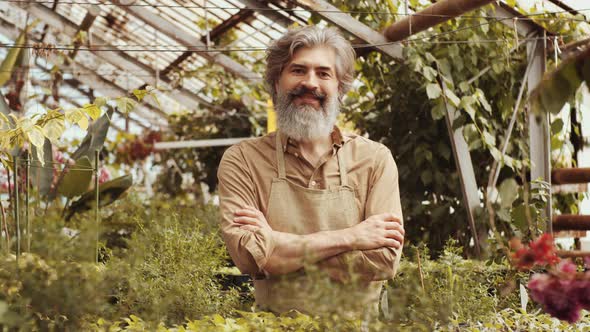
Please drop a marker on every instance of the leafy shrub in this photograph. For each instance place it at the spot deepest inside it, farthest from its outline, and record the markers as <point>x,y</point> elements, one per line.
<point>154,263</point>
<point>57,285</point>
<point>173,270</point>
<point>434,292</point>
<point>505,320</point>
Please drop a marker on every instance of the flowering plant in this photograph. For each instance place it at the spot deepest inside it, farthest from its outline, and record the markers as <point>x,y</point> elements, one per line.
<point>562,290</point>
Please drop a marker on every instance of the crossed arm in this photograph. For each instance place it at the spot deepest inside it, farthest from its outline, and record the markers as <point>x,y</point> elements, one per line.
<point>291,251</point>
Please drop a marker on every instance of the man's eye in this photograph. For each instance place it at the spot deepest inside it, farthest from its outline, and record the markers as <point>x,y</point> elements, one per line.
<point>324,74</point>
<point>297,71</point>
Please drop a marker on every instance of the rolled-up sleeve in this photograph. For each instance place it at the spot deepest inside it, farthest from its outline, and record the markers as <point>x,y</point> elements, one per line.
<point>248,250</point>
<point>383,197</point>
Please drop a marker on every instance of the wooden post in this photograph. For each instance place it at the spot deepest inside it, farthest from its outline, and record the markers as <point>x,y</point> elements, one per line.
<point>439,12</point>
<point>539,136</point>
<point>464,168</point>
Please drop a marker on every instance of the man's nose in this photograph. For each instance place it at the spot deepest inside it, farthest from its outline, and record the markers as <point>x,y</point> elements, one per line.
<point>310,81</point>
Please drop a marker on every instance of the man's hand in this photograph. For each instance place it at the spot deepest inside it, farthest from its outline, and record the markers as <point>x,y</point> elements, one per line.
<point>378,231</point>
<point>251,219</point>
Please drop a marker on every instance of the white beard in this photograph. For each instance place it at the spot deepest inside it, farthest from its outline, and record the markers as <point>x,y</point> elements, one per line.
<point>305,122</point>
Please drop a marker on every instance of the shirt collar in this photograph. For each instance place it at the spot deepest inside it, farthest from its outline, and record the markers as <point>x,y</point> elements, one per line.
<point>337,139</point>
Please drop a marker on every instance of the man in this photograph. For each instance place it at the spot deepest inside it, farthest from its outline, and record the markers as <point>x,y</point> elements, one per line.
<point>309,194</point>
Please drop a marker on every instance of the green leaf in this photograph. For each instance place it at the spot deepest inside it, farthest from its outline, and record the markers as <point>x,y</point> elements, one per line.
<point>484,25</point>
<point>497,154</point>
<point>470,110</point>
<point>7,66</point>
<point>109,192</point>
<point>100,101</point>
<point>140,94</point>
<point>444,150</point>
<point>78,117</point>
<point>54,128</point>
<point>36,136</point>
<point>125,104</point>
<point>433,90</point>
<point>430,57</point>
<point>508,192</point>
<point>438,111</point>
<point>489,139</point>
<point>556,143</point>
<point>92,110</point>
<point>426,177</point>
<point>452,97</point>
<point>464,87</point>
<point>429,73</point>
<point>77,179</point>
<point>519,218</point>
<point>155,98</point>
<point>484,102</point>
<point>556,126</point>
<point>556,88</point>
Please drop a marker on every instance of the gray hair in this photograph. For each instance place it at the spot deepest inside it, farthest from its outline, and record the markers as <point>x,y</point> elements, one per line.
<point>281,52</point>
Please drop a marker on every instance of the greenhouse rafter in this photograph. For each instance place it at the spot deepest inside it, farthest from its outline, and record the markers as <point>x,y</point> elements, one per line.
<point>116,57</point>
<point>192,43</point>
<point>352,26</point>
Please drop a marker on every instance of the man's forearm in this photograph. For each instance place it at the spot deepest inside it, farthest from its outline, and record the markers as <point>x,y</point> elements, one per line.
<point>291,251</point>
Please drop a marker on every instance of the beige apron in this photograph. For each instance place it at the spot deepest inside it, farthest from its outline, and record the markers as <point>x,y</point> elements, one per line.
<point>300,210</point>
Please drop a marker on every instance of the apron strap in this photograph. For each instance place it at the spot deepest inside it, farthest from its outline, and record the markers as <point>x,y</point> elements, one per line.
<point>342,168</point>
<point>280,156</point>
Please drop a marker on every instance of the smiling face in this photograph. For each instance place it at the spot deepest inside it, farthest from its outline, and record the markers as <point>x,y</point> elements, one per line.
<point>311,75</point>
<point>307,91</point>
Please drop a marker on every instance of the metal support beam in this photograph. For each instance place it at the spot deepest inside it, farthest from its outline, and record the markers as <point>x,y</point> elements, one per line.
<point>437,13</point>
<point>510,17</point>
<point>215,34</point>
<point>202,143</point>
<point>354,27</point>
<point>264,10</point>
<point>539,136</point>
<point>93,12</point>
<point>241,16</point>
<point>464,166</point>
<point>118,59</point>
<point>193,43</point>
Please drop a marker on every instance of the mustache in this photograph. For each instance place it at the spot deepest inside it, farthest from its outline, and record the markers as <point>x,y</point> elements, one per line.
<point>300,91</point>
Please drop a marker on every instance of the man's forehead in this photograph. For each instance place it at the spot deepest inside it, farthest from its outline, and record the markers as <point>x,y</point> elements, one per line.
<point>320,56</point>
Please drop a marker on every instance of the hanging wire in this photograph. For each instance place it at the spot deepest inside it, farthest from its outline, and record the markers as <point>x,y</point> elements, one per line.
<point>267,9</point>
<point>202,49</point>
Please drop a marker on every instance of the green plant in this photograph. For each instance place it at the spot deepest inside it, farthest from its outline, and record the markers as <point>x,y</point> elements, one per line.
<point>174,259</point>
<point>57,285</point>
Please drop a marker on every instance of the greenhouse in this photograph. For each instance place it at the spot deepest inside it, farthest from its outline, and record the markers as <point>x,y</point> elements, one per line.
<point>294,165</point>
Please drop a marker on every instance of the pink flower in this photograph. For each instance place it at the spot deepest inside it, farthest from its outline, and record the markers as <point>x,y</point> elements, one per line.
<point>104,175</point>
<point>567,267</point>
<point>557,296</point>
<point>562,294</point>
<point>58,156</point>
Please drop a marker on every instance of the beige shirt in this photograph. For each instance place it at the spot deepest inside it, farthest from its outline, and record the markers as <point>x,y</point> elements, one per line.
<point>247,169</point>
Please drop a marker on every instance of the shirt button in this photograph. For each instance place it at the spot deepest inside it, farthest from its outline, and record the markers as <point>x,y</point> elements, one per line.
<point>313,183</point>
